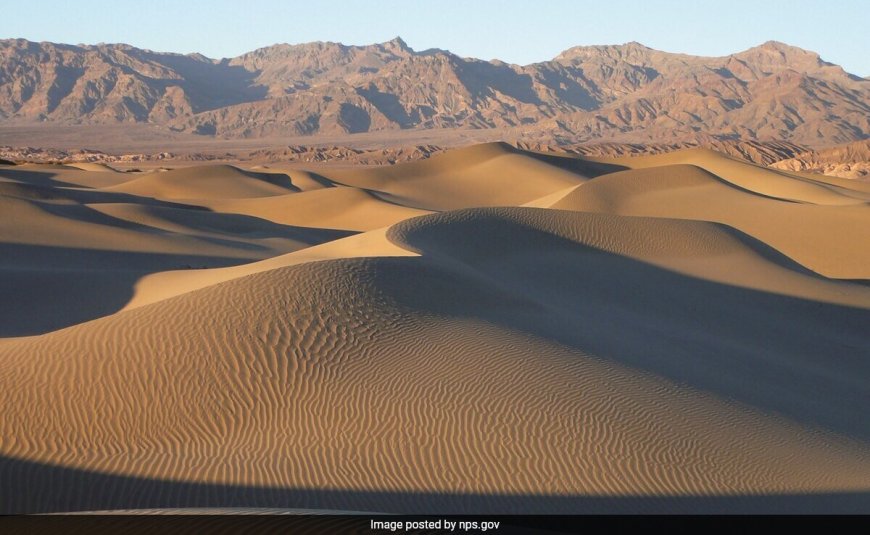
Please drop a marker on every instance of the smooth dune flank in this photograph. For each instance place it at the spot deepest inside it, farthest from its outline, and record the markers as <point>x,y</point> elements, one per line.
<point>489,330</point>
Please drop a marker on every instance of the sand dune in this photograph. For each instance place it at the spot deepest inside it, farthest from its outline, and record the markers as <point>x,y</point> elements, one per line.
<point>674,335</point>
<point>95,167</point>
<point>208,182</point>
<point>70,254</point>
<point>799,187</point>
<point>60,175</point>
<point>814,235</point>
<point>491,174</point>
<point>342,208</point>
<point>164,285</point>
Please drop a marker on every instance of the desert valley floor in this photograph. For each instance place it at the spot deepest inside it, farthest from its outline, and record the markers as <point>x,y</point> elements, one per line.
<point>488,330</point>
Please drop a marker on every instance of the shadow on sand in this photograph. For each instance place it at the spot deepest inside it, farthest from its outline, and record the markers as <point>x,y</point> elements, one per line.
<point>30,487</point>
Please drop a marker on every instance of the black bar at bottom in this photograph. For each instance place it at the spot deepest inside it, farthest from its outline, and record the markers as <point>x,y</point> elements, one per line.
<point>384,524</point>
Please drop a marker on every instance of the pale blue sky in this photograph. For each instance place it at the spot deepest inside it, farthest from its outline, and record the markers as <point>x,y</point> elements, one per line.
<point>519,31</point>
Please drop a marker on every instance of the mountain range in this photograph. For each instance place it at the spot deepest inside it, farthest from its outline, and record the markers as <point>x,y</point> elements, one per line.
<point>620,93</point>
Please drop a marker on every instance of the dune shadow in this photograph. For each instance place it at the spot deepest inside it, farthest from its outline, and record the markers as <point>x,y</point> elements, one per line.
<point>322,180</point>
<point>45,288</point>
<point>235,228</point>
<point>573,163</point>
<point>802,359</point>
<point>83,195</point>
<point>31,487</point>
<point>37,178</point>
<point>278,179</point>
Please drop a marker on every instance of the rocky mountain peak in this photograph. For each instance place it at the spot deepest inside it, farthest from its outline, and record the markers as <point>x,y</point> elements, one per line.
<point>398,44</point>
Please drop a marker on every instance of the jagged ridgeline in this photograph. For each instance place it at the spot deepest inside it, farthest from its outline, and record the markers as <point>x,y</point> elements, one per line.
<point>627,92</point>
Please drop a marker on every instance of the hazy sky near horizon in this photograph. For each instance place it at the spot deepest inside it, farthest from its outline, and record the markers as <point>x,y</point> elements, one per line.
<point>515,31</point>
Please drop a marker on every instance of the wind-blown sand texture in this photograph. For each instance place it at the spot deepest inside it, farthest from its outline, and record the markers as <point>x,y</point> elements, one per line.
<point>489,330</point>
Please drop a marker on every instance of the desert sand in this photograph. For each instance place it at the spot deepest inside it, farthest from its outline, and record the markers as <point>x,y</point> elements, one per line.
<point>489,330</point>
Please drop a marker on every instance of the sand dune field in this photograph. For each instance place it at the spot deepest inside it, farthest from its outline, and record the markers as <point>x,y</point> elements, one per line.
<point>489,330</point>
